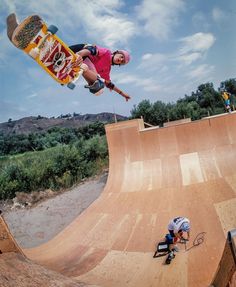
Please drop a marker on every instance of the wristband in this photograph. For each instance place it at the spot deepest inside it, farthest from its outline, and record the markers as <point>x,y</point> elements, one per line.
<point>110,85</point>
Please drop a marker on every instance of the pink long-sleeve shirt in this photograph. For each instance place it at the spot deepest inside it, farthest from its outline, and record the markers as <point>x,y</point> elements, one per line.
<point>101,62</point>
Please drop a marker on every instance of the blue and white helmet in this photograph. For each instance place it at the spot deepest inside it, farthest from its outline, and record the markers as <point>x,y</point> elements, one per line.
<point>185,226</point>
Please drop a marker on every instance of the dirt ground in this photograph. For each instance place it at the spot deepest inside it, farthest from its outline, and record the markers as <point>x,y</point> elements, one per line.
<point>32,226</point>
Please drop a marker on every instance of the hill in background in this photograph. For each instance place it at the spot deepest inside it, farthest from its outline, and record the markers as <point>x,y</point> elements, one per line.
<point>37,124</point>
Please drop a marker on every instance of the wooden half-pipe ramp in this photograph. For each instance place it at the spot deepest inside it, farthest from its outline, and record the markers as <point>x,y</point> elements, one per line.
<point>154,174</point>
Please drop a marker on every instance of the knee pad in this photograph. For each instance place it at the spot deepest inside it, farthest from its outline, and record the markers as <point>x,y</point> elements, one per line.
<point>97,87</point>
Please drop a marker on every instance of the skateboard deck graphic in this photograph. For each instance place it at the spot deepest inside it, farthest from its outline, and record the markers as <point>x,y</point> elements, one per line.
<point>39,41</point>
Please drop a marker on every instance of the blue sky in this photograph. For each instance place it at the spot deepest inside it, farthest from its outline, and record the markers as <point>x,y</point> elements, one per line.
<point>175,45</point>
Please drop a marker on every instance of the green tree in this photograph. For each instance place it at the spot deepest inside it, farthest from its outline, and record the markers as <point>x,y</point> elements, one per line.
<point>143,109</point>
<point>159,113</point>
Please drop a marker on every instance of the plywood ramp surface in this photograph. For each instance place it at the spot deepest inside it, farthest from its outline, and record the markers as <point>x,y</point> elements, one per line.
<point>154,174</point>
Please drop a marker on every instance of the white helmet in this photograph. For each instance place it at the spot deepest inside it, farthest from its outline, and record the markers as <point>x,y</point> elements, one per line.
<point>185,226</point>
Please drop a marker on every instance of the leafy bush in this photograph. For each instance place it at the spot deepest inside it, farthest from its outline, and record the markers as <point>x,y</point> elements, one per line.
<point>54,168</point>
<point>15,144</point>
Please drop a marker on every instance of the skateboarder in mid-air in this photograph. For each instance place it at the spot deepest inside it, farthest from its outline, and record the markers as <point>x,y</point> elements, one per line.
<point>99,62</point>
<point>66,65</point>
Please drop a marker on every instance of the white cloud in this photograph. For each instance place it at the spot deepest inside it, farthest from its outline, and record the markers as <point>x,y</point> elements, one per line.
<point>194,47</point>
<point>147,56</point>
<point>152,62</point>
<point>124,78</point>
<point>199,42</point>
<point>111,31</point>
<point>201,73</point>
<point>100,20</point>
<point>156,58</point>
<point>108,4</point>
<point>34,95</point>
<point>148,84</point>
<point>105,23</point>
<point>159,17</point>
<point>188,59</point>
<point>167,68</point>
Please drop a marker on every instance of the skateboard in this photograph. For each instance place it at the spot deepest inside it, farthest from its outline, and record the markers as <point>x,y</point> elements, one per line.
<point>39,41</point>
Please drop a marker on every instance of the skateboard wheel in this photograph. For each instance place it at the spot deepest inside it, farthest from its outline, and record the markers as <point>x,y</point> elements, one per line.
<point>52,29</point>
<point>71,86</point>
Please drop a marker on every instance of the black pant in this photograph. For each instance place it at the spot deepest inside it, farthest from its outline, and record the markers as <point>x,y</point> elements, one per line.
<point>77,48</point>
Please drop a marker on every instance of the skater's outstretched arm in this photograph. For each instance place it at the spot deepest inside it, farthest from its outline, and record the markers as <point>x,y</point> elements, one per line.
<point>112,87</point>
